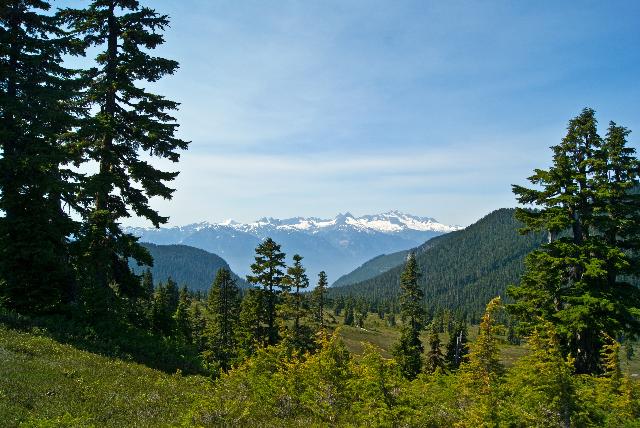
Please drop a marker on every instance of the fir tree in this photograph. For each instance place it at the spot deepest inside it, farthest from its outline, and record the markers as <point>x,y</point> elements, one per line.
<point>224,306</point>
<point>435,359</point>
<point>251,332</point>
<point>611,363</point>
<point>197,324</point>
<point>161,313</point>
<point>408,351</point>
<point>457,347</point>
<point>298,281</point>
<point>540,383</point>
<point>181,319</point>
<point>580,279</point>
<point>483,372</point>
<point>37,107</point>
<point>318,297</point>
<point>173,295</point>
<point>128,121</point>
<point>348,313</point>
<point>268,273</point>
<point>147,284</point>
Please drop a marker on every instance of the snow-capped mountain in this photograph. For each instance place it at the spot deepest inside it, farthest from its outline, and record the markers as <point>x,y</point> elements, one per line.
<point>335,245</point>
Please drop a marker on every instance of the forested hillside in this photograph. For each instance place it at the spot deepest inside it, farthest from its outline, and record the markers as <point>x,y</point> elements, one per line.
<point>372,268</point>
<point>461,270</point>
<point>186,265</point>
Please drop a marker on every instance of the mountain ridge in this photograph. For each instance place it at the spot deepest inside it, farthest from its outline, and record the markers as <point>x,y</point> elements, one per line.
<point>336,245</point>
<point>460,271</point>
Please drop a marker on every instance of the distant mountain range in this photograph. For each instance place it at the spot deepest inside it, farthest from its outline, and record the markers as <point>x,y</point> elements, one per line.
<point>336,245</point>
<point>461,270</point>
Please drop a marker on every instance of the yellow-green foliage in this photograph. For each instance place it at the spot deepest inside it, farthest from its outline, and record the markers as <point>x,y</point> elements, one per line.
<point>46,384</point>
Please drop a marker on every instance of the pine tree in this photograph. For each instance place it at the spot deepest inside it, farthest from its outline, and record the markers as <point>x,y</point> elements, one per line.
<point>268,273</point>
<point>37,107</point>
<point>408,351</point>
<point>318,297</point>
<point>128,120</point>
<point>580,279</point>
<point>224,306</point>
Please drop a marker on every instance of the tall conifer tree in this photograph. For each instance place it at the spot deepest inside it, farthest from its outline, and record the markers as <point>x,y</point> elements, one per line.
<point>298,281</point>
<point>224,307</point>
<point>408,351</point>
<point>128,121</point>
<point>319,296</point>
<point>268,272</point>
<point>580,279</point>
<point>37,106</point>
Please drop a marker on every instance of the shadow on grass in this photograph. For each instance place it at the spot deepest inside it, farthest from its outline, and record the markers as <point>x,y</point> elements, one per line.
<point>111,337</point>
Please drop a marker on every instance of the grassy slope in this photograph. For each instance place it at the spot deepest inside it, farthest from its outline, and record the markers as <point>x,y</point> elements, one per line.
<point>41,377</point>
<point>43,381</point>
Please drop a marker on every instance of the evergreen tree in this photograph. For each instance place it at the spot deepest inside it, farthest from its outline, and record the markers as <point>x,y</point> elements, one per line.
<point>37,107</point>
<point>173,295</point>
<point>457,347</point>
<point>611,363</point>
<point>318,297</point>
<point>298,281</point>
<point>161,313</point>
<point>483,372</point>
<point>348,313</point>
<point>147,284</point>
<point>181,319</point>
<point>224,306</point>
<point>128,120</point>
<point>540,384</point>
<point>197,324</point>
<point>251,332</point>
<point>391,319</point>
<point>435,359</point>
<point>408,351</point>
<point>268,273</point>
<point>580,279</point>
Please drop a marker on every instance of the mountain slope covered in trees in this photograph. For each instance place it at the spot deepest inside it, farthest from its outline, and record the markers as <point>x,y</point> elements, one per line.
<point>187,265</point>
<point>460,270</point>
<point>372,268</point>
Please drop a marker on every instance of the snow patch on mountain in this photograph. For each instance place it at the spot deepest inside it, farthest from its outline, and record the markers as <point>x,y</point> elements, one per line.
<point>390,222</point>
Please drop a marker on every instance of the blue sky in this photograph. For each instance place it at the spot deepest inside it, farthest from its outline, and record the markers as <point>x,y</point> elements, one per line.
<point>434,108</point>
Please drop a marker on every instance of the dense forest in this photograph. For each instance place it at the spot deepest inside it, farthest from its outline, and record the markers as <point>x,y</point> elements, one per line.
<point>75,316</point>
<point>372,268</point>
<point>461,270</point>
<point>185,265</point>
